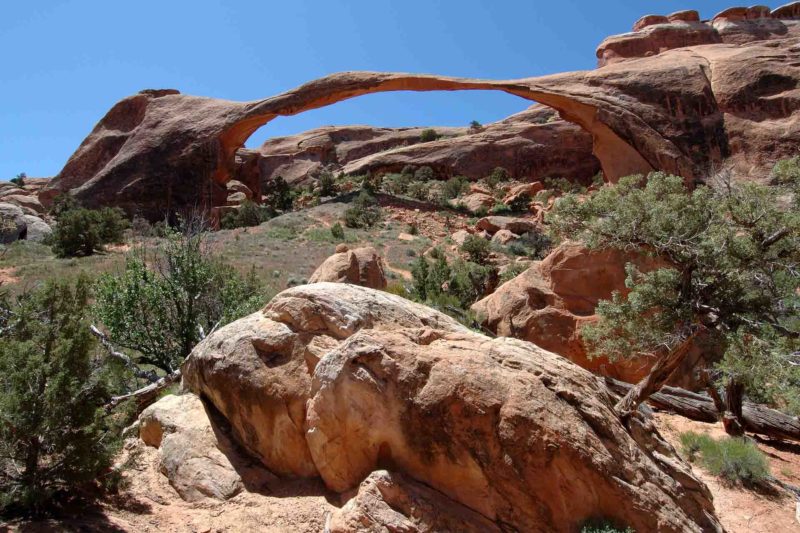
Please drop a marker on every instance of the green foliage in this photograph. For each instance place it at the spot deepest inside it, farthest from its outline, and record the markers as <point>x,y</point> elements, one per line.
<point>475,125</point>
<point>62,203</point>
<point>500,209</point>
<point>428,135</point>
<point>520,203</point>
<point>168,298</point>
<point>477,248</point>
<point>786,171</point>
<point>455,187</point>
<point>457,285</point>
<point>604,526</point>
<point>248,214</point>
<point>563,186</point>
<point>425,173</point>
<point>533,244</point>
<point>19,180</point>
<point>52,437</point>
<point>731,254</point>
<point>512,271</point>
<point>364,212</point>
<point>735,459</point>
<point>419,274</point>
<point>408,170</point>
<point>327,184</point>
<point>397,184</point>
<point>498,175</point>
<point>337,232</point>
<point>278,194</point>
<point>81,232</point>
<point>419,189</point>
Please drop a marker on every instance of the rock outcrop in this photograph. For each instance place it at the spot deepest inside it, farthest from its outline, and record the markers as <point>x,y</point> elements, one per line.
<point>550,302</point>
<point>340,381</point>
<point>13,225</point>
<point>683,110</point>
<point>360,266</point>
<point>653,34</point>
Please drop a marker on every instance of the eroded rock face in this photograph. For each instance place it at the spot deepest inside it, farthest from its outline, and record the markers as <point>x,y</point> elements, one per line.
<point>360,266</point>
<point>198,459</point>
<point>682,110</point>
<point>550,302</point>
<point>340,381</point>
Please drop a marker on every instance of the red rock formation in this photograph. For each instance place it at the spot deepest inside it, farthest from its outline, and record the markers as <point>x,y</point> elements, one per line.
<point>682,111</point>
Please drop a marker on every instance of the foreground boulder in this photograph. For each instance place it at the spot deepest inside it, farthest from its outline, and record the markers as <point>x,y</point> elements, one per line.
<point>13,225</point>
<point>337,381</point>
<point>360,266</point>
<point>550,302</point>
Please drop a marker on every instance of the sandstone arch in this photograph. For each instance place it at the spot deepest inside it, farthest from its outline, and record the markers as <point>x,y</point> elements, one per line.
<point>681,111</point>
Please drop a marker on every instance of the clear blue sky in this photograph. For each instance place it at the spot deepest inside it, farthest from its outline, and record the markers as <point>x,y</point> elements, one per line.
<point>65,62</point>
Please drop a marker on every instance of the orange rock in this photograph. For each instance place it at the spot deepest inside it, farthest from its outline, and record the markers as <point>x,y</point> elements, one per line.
<point>361,266</point>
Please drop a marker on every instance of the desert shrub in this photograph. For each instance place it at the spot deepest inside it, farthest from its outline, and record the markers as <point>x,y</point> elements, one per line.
<point>413,228</point>
<point>62,203</point>
<point>247,215</point>
<point>500,209</point>
<point>496,176</point>
<point>455,187</point>
<point>408,170</point>
<point>512,271</point>
<point>604,526</point>
<point>469,281</point>
<point>475,125</point>
<point>418,190</point>
<point>397,288</point>
<point>364,213</point>
<point>370,182</point>
<point>337,232</point>
<point>520,203</point>
<point>19,180</point>
<point>533,244</point>
<point>477,248</point>
<point>80,232</point>
<point>735,459</point>
<point>168,298</point>
<point>278,194</point>
<point>428,135</point>
<point>53,440</point>
<point>425,173</point>
<point>563,186</point>
<point>327,183</point>
<point>786,171</point>
<point>396,184</point>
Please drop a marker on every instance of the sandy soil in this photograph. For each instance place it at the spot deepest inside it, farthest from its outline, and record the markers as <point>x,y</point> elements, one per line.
<point>741,510</point>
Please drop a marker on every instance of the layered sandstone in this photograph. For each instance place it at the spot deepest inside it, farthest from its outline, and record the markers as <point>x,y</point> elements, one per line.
<point>360,266</point>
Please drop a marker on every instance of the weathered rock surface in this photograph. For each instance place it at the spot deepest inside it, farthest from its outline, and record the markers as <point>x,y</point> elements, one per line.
<point>198,459</point>
<point>517,225</point>
<point>654,34</point>
<point>17,227</point>
<point>390,501</point>
<point>477,202</point>
<point>683,110</point>
<point>550,302</point>
<point>37,229</point>
<point>360,266</point>
<point>519,435</point>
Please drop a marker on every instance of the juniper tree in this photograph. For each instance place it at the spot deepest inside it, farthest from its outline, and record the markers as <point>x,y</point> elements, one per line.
<point>52,436</point>
<point>732,268</point>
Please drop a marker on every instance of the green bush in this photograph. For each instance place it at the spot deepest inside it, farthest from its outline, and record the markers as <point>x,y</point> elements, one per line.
<point>247,215</point>
<point>512,271</point>
<point>327,184</point>
<point>53,440</point>
<point>735,459</point>
<point>499,174</point>
<point>337,232</point>
<point>166,299</point>
<point>604,526</point>
<point>278,194</point>
<point>428,135</point>
<point>408,170</point>
<point>425,173</point>
<point>419,190</point>
<point>62,203</point>
<point>533,244</point>
<point>477,248</point>
<point>80,232</point>
<point>475,125</point>
<point>19,180</point>
<point>455,187</point>
<point>364,212</point>
<point>786,171</point>
<point>396,184</point>
<point>500,209</point>
<point>520,203</point>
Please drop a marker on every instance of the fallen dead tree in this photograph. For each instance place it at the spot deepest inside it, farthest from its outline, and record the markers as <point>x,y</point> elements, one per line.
<point>699,406</point>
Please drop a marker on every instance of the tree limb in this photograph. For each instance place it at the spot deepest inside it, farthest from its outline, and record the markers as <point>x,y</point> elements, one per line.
<point>148,375</point>
<point>146,395</point>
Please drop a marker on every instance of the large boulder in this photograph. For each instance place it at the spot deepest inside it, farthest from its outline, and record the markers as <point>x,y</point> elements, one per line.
<point>516,225</point>
<point>13,226</point>
<point>199,459</point>
<point>38,229</point>
<point>551,301</point>
<point>360,266</point>
<point>352,379</point>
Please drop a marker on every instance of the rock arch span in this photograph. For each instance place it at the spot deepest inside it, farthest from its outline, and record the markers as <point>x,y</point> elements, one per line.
<point>159,151</point>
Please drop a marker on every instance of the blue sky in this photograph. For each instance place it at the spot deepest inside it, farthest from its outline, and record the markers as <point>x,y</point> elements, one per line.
<point>65,62</point>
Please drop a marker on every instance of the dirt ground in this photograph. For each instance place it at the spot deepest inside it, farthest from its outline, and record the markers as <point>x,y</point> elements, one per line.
<point>741,510</point>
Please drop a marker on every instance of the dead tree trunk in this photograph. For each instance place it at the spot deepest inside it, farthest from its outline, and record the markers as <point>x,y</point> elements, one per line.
<point>696,406</point>
<point>656,378</point>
